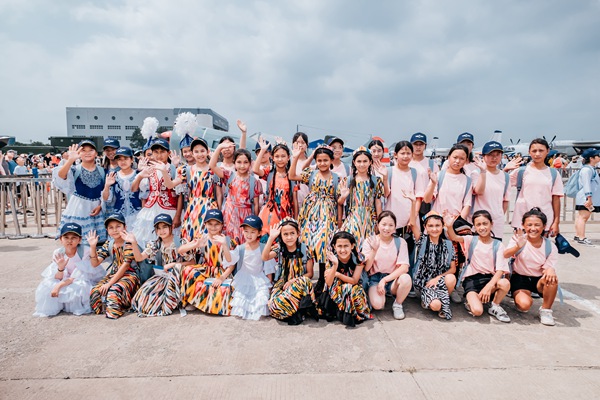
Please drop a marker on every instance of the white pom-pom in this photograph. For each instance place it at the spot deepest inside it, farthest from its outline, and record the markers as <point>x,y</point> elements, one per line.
<point>149,128</point>
<point>185,123</point>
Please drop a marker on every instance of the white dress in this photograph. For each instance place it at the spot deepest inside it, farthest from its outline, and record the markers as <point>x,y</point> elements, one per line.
<point>251,286</point>
<point>74,298</point>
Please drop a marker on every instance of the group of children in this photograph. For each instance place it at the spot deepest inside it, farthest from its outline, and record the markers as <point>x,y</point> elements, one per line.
<point>227,235</point>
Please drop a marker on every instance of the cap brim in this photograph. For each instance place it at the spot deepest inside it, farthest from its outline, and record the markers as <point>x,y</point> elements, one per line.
<point>71,231</point>
<point>213,219</point>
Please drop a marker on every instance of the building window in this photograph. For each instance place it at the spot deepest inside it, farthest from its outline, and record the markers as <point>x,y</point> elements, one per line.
<point>131,118</point>
<point>130,127</point>
<point>114,126</point>
<point>113,118</point>
<point>96,126</point>
<point>77,126</point>
<point>166,118</point>
<point>129,137</point>
<point>115,137</point>
<point>95,117</point>
<point>78,117</point>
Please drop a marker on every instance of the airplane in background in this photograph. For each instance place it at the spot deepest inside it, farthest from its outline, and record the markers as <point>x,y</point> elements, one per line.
<point>568,147</point>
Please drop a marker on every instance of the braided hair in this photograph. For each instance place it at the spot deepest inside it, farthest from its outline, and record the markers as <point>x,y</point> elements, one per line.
<point>354,172</point>
<point>271,199</point>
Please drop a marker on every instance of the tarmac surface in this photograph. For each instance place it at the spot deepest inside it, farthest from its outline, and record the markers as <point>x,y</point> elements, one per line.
<point>200,356</point>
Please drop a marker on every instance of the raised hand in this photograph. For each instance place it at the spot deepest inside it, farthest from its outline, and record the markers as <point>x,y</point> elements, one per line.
<point>74,152</point>
<point>433,177</point>
<point>61,260</point>
<point>478,161</point>
<point>520,237</point>
<point>344,192</point>
<point>296,152</point>
<point>175,159</point>
<point>92,238</point>
<point>264,145</point>
<point>111,178</point>
<point>242,126</point>
<point>514,163</point>
<point>146,172</point>
<point>142,163</point>
<point>128,237</point>
<point>274,231</point>
<point>448,218</point>
<point>200,241</point>
<point>332,258</point>
<point>158,166</point>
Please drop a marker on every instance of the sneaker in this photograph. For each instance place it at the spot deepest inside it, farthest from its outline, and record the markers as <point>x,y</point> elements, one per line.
<point>546,317</point>
<point>467,307</point>
<point>584,241</point>
<point>455,297</point>
<point>498,312</point>
<point>576,238</point>
<point>398,311</point>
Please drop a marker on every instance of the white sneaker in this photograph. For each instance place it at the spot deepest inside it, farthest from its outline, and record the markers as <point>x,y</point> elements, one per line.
<point>546,317</point>
<point>398,311</point>
<point>585,241</point>
<point>498,312</point>
<point>455,297</point>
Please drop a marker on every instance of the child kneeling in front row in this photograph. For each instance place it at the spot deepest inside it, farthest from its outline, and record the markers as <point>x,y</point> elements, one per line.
<point>534,271</point>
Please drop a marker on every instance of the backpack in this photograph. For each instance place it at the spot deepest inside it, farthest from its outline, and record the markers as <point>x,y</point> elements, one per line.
<point>521,172</point>
<point>441,177</point>
<point>495,247</point>
<point>242,252</point>
<point>421,255</point>
<point>349,200</point>
<point>413,173</point>
<point>572,187</point>
<point>334,182</point>
<point>252,184</point>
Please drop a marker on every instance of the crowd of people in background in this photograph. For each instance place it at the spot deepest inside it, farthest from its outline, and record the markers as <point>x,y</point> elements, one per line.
<point>230,233</point>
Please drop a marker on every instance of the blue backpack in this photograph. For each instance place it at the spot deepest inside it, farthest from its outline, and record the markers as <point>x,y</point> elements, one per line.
<point>242,252</point>
<point>553,173</point>
<point>252,184</point>
<point>421,255</point>
<point>572,187</point>
<point>441,177</point>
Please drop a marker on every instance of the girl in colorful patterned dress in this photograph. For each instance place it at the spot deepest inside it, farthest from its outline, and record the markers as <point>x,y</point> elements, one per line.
<point>320,214</point>
<point>161,294</point>
<point>207,284</point>
<point>362,197</point>
<point>240,189</point>
<point>83,185</point>
<point>281,198</point>
<point>300,143</point>
<point>117,193</point>
<point>345,297</point>
<point>162,199</point>
<point>292,296</point>
<point>201,184</point>
<point>117,288</point>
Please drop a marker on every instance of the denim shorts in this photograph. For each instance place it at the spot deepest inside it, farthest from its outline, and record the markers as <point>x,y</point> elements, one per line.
<point>378,276</point>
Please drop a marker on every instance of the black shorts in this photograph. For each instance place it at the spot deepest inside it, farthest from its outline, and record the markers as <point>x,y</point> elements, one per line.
<point>524,282</point>
<point>596,208</point>
<point>475,283</point>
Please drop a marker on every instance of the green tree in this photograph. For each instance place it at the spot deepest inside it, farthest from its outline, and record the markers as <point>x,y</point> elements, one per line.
<point>137,140</point>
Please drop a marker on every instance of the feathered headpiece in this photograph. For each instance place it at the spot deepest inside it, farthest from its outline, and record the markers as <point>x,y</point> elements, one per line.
<point>185,124</point>
<point>149,130</point>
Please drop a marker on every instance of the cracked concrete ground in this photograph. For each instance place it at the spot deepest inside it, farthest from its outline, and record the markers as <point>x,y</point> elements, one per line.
<point>200,356</point>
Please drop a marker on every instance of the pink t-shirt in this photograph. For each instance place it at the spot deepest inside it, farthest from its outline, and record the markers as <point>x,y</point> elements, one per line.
<point>482,261</point>
<point>424,163</point>
<point>387,258</point>
<point>452,194</point>
<point>396,202</point>
<point>532,260</point>
<point>492,198</point>
<point>536,191</point>
<point>340,170</point>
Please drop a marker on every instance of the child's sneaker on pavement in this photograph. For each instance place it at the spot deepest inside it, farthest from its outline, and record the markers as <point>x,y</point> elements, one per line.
<point>546,317</point>
<point>498,312</point>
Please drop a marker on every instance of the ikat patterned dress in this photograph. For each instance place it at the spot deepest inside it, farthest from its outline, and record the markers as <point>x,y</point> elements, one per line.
<point>118,297</point>
<point>196,280</point>
<point>161,294</point>
<point>318,215</point>
<point>361,215</point>
<point>284,303</point>
<point>237,205</point>
<point>201,189</point>
<point>279,204</point>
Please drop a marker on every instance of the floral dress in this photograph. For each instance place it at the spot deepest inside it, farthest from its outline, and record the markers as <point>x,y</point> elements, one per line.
<point>118,297</point>
<point>280,203</point>
<point>436,260</point>
<point>343,300</point>
<point>161,294</point>
<point>361,215</point>
<point>201,189</point>
<point>196,280</point>
<point>318,215</point>
<point>238,204</point>
<point>285,303</point>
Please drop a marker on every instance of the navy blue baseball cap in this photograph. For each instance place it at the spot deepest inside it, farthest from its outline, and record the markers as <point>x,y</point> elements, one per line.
<point>418,137</point>
<point>214,214</point>
<point>588,153</point>
<point>109,142</point>
<point>491,146</point>
<point>124,151</point>
<point>335,139</point>
<point>71,227</point>
<point>200,142</point>
<point>465,136</point>
<point>563,246</point>
<point>114,217</point>
<point>166,218</point>
<point>257,147</point>
<point>253,222</point>
<point>159,142</point>
<point>87,142</point>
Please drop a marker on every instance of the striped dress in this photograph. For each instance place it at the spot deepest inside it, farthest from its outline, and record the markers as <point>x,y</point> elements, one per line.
<point>160,294</point>
<point>196,281</point>
<point>361,215</point>
<point>318,215</point>
<point>118,297</point>
<point>284,303</point>
<point>201,189</point>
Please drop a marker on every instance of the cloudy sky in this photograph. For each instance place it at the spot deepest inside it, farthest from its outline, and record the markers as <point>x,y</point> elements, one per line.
<point>352,68</point>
